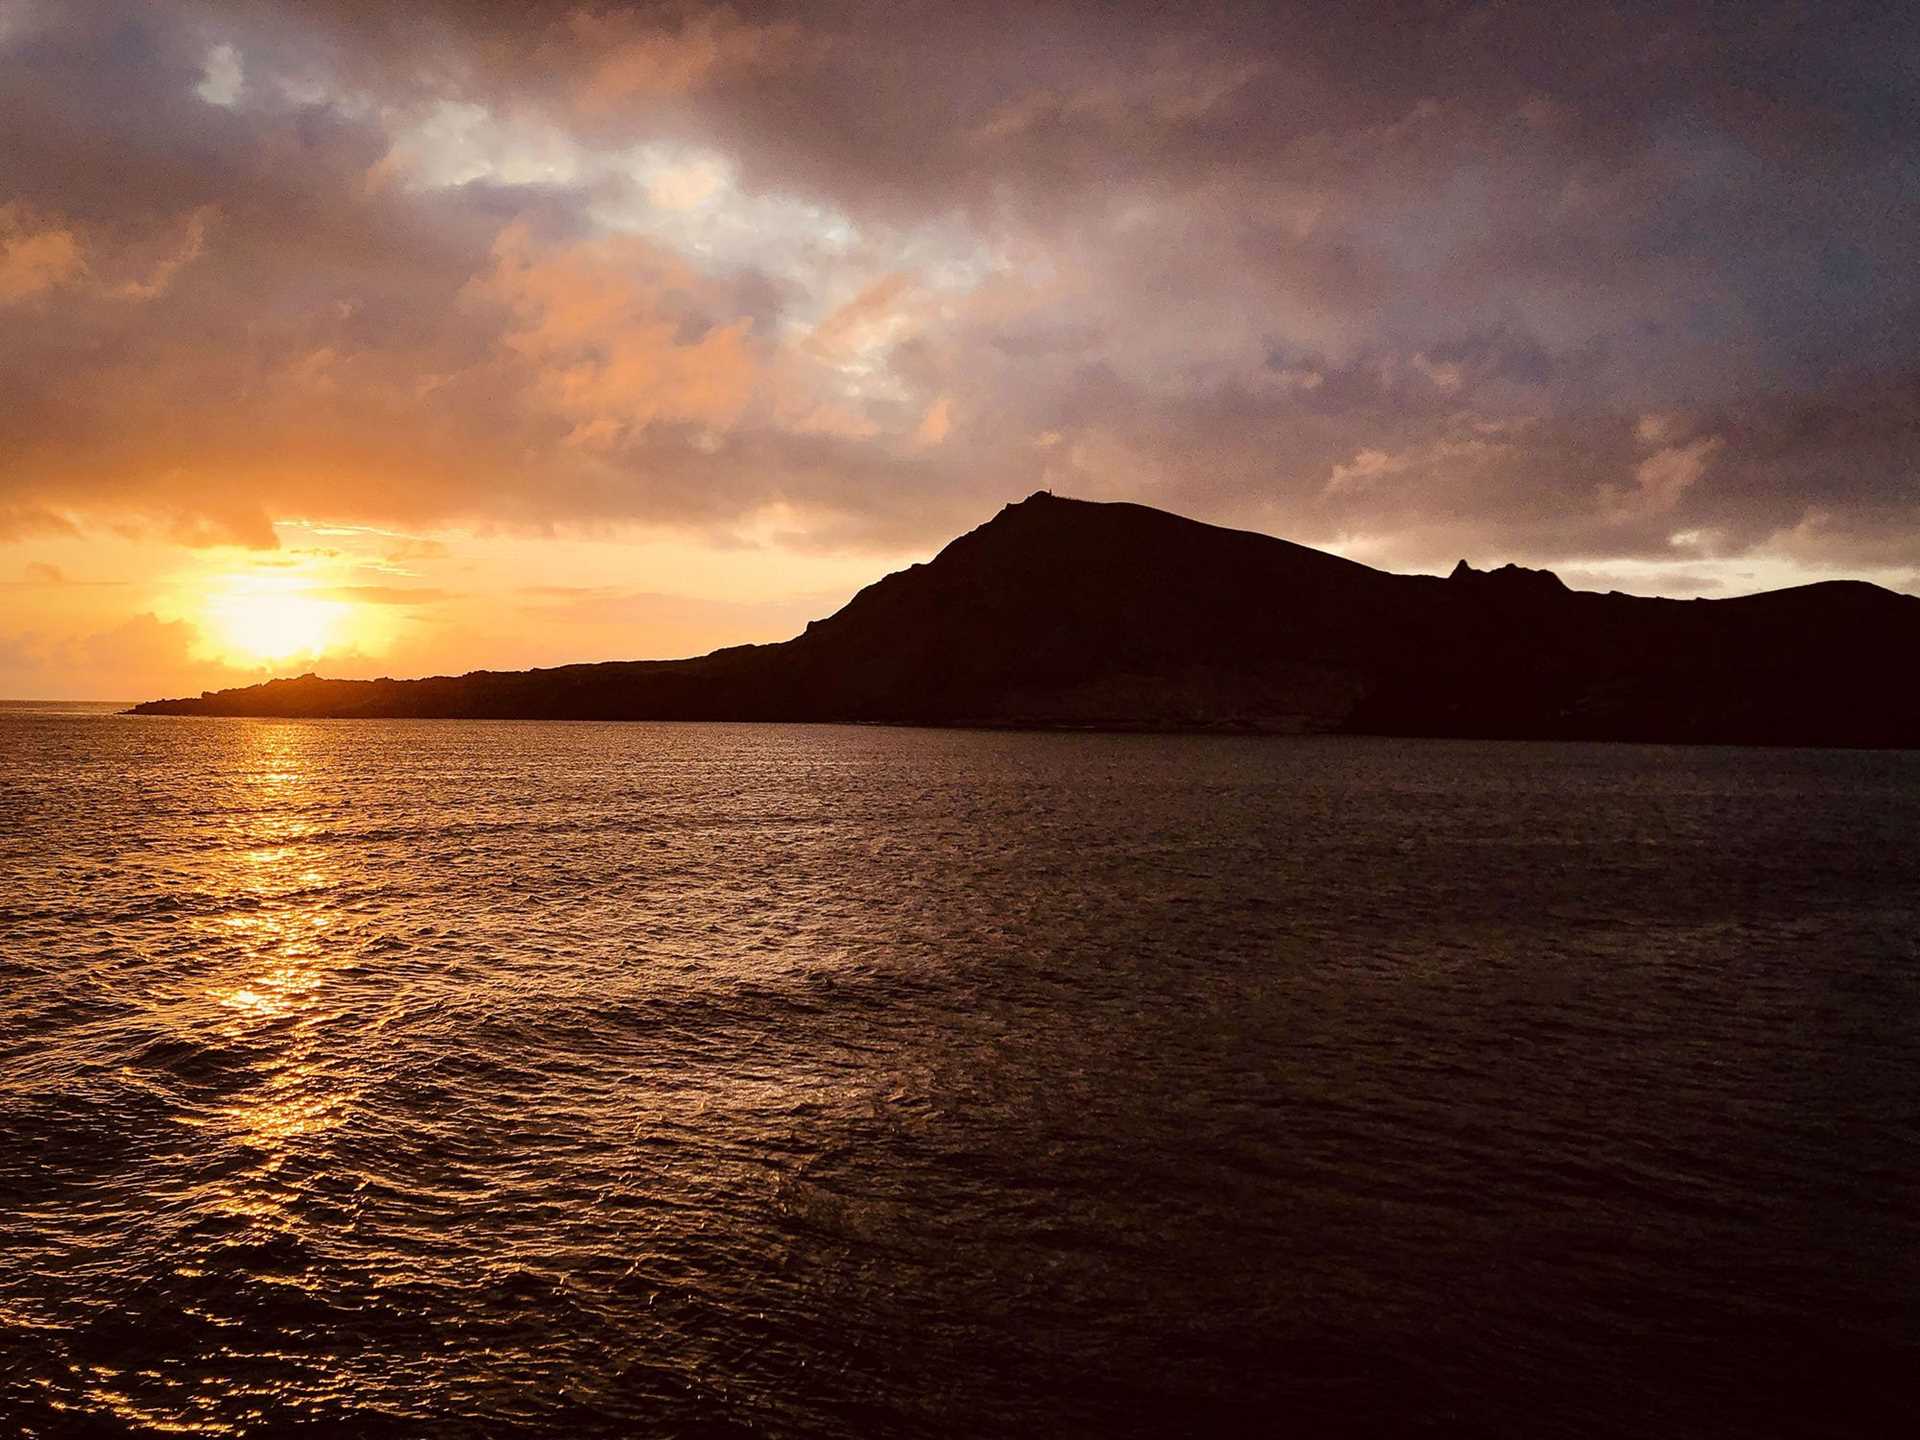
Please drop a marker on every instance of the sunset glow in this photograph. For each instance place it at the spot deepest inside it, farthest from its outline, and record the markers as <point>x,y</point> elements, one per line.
<point>254,618</point>
<point>523,335</point>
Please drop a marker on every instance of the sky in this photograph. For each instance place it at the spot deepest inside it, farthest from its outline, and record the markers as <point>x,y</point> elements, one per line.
<point>408,339</point>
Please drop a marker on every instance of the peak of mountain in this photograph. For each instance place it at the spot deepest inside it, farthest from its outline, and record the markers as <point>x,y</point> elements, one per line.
<point>1512,577</point>
<point>1060,611</point>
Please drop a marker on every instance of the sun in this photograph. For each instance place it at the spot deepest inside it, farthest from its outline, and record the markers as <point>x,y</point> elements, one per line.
<point>267,618</point>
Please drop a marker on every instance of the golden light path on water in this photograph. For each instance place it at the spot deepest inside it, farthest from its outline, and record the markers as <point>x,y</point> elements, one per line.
<point>290,957</point>
<point>262,995</point>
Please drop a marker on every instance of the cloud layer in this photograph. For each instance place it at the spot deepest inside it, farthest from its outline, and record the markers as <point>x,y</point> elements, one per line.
<point>1565,283</point>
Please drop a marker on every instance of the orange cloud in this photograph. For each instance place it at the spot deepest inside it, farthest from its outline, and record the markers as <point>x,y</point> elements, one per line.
<point>17,522</point>
<point>36,254</point>
<point>1662,478</point>
<point>137,658</point>
<point>871,318</point>
<point>160,274</point>
<point>632,59</point>
<point>40,253</point>
<point>605,331</point>
<point>936,423</point>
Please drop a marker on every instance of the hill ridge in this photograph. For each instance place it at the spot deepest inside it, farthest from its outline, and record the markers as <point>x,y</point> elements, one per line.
<point>1067,612</point>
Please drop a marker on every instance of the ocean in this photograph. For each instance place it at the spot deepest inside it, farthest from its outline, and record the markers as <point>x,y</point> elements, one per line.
<point>434,1079</point>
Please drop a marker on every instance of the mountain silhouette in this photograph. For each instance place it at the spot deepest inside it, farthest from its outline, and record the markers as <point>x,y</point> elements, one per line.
<point>1066,612</point>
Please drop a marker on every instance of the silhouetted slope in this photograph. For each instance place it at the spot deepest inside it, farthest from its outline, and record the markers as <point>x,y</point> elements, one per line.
<point>1062,610</point>
<point>1069,612</point>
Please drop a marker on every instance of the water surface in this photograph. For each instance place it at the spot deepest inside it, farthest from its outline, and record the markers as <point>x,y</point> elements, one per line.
<point>491,1079</point>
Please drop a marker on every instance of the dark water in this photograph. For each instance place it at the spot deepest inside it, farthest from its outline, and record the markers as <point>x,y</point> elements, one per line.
<point>437,1079</point>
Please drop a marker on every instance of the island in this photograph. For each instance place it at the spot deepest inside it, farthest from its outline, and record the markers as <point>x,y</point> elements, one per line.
<point>1074,613</point>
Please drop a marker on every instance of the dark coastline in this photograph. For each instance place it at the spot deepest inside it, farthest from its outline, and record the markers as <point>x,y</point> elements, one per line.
<point>1064,614</point>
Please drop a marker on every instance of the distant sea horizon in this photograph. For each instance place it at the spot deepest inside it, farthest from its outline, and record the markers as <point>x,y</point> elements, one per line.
<point>118,708</point>
<point>77,707</point>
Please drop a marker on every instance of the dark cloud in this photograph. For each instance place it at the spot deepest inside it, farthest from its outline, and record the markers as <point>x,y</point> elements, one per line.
<point>1555,281</point>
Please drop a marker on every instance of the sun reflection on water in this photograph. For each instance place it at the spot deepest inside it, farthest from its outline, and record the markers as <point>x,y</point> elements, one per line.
<point>266,999</point>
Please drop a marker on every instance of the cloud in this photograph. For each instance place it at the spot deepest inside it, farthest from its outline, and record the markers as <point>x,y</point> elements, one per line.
<point>139,658</point>
<point>42,253</point>
<point>1366,467</point>
<point>1663,477</point>
<point>40,575</point>
<point>936,424</point>
<point>869,320</point>
<point>154,283</point>
<point>223,79</point>
<point>36,255</point>
<point>387,594</point>
<point>19,522</point>
<point>629,55</point>
<point>614,338</point>
<point>1542,282</point>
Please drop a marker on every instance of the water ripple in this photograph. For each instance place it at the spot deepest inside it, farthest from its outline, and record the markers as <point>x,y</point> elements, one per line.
<point>409,1079</point>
